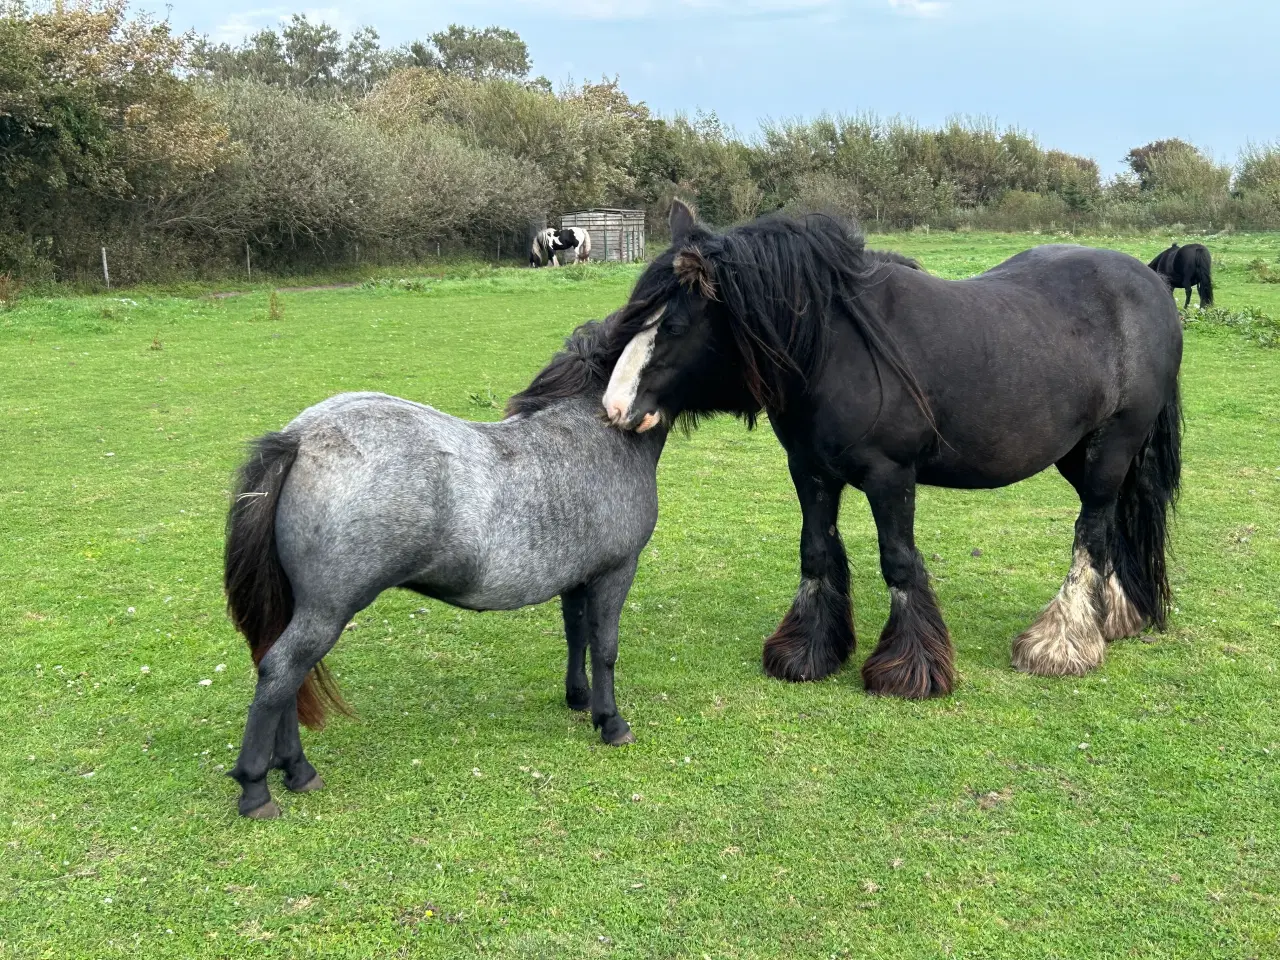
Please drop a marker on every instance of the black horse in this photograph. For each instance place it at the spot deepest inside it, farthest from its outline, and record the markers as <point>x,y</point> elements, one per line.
<point>882,377</point>
<point>1185,267</point>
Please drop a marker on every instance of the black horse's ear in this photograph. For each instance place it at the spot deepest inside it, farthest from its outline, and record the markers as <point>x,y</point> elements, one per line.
<point>682,221</point>
<point>696,273</point>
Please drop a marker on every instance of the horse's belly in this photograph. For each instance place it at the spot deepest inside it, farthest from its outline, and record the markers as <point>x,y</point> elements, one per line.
<point>987,463</point>
<point>963,476</point>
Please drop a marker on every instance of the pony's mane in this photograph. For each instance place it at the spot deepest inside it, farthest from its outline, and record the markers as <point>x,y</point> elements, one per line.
<point>584,364</point>
<point>778,279</point>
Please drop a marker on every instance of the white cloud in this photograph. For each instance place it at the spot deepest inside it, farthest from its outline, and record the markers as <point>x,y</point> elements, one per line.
<point>648,9</point>
<point>919,8</point>
<point>240,25</point>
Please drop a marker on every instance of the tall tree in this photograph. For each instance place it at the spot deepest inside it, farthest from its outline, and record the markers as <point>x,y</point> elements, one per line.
<point>489,54</point>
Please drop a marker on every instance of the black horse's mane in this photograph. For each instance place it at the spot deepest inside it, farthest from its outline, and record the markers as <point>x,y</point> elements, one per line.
<point>816,260</point>
<point>585,363</point>
<point>778,279</point>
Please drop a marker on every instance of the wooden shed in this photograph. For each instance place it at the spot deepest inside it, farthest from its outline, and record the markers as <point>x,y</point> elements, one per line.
<point>615,234</point>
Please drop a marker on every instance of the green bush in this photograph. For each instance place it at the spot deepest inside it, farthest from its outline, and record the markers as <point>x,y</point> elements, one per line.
<point>1249,322</point>
<point>310,151</point>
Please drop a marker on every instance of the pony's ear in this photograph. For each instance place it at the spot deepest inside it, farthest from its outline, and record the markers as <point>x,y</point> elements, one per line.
<point>696,273</point>
<point>682,221</point>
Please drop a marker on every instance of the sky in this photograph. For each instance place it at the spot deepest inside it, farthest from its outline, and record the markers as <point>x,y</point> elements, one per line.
<point>1095,77</point>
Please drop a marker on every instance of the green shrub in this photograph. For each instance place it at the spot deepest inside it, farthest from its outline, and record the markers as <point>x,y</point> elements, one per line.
<point>1249,322</point>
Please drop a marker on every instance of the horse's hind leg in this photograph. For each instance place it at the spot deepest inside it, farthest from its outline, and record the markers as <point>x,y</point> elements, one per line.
<point>914,656</point>
<point>309,636</point>
<point>577,691</point>
<point>1070,636</point>
<point>299,775</point>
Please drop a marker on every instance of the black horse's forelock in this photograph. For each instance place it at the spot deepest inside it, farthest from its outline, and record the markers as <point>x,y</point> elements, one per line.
<point>584,364</point>
<point>779,279</point>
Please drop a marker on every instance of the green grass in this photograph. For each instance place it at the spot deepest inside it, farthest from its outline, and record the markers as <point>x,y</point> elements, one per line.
<point>1131,813</point>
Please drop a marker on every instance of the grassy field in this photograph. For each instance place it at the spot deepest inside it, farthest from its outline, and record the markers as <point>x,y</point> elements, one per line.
<point>1131,813</point>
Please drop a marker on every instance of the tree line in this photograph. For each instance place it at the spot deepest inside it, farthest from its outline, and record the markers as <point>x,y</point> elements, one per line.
<point>299,148</point>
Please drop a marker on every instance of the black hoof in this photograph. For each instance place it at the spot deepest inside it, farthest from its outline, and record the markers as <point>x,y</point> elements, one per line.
<point>578,699</point>
<point>616,732</point>
<point>312,785</point>
<point>268,811</point>
<point>301,777</point>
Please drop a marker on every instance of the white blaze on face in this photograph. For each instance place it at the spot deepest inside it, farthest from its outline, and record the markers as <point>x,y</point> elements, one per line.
<point>625,381</point>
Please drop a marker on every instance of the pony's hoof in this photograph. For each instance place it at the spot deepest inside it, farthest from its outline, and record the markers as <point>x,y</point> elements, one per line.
<point>268,811</point>
<point>616,732</point>
<point>312,785</point>
<point>578,700</point>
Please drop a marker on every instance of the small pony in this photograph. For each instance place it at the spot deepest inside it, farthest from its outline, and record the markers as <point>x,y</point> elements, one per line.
<point>1185,267</point>
<point>364,492</point>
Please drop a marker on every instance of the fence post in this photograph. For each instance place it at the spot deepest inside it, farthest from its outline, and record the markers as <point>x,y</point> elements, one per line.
<point>105,275</point>
<point>248,264</point>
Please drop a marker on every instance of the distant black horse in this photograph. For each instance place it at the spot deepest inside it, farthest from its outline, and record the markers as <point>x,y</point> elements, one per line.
<point>1185,267</point>
<point>883,377</point>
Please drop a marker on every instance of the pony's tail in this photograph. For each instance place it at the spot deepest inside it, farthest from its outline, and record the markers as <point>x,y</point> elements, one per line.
<point>1147,497</point>
<point>1204,271</point>
<point>259,595</point>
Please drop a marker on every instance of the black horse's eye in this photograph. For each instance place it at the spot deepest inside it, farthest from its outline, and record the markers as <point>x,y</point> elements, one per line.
<point>677,326</point>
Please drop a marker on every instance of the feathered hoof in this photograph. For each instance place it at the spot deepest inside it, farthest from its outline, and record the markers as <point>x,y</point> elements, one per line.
<point>814,639</point>
<point>1122,617</point>
<point>913,659</point>
<point>578,699</point>
<point>1059,644</point>
<point>911,678</point>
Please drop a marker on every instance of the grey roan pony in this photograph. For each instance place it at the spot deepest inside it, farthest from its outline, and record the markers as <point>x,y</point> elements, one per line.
<point>364,491</point>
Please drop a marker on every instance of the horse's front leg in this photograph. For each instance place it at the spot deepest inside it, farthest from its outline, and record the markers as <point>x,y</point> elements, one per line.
<point>816,636</point>
<point>573,605</point>
<point>913,658</point>
<point>605,597</point>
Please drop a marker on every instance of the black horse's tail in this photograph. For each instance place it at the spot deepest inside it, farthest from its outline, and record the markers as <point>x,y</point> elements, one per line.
<point>259,596</point>
<point>1142,516</point>
<point>1204,277</point>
